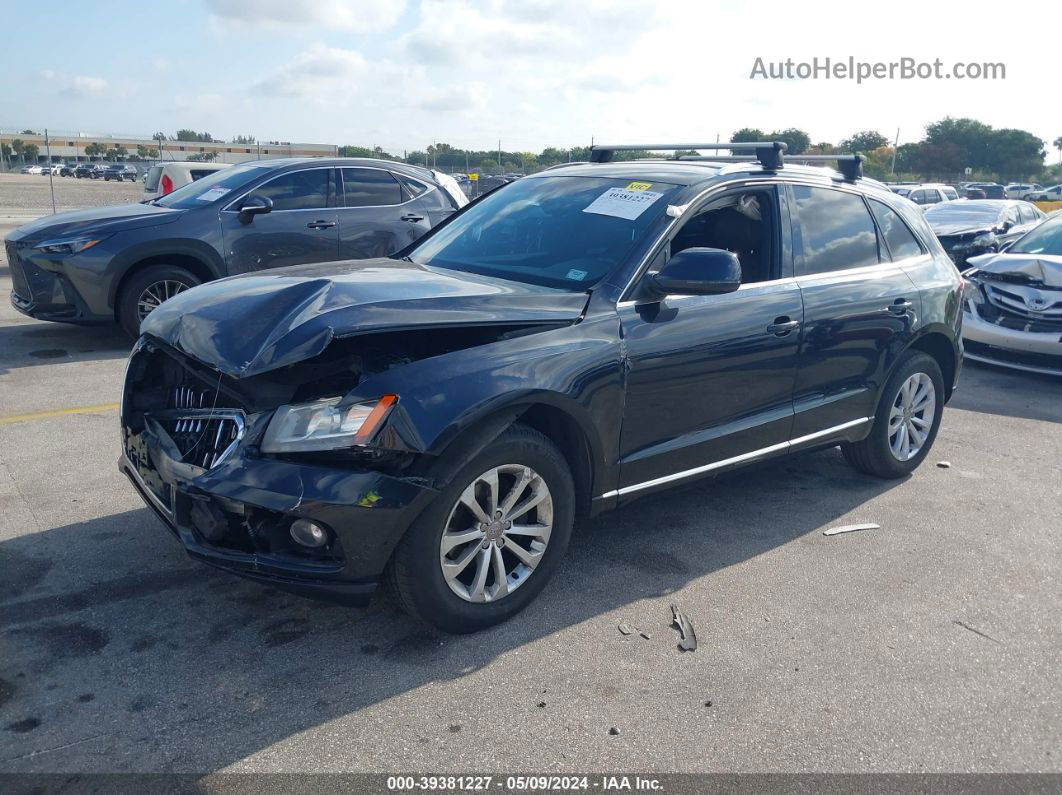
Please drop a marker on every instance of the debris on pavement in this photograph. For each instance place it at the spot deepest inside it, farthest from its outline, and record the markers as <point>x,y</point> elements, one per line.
<point>685,628</point>
<point>645,634</point>
<point>850,528</point>
<point>944,464</point>
<point>613,731</point>
<point>626,629</point>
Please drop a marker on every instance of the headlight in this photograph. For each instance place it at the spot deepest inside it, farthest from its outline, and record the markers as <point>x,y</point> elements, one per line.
<point>985,240</point>
<point>971,290</point>
<point>324,425</point>
<point>69,245</point>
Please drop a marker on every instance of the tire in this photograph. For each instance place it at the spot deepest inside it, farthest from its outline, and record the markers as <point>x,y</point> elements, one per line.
<point>416,570</point>
<point>876,454</point>
<point>169,276</point>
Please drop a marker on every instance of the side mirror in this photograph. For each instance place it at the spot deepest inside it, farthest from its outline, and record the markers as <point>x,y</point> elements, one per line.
<point>699,271</point>
<point>254,205</point>
<point>1007,226</point>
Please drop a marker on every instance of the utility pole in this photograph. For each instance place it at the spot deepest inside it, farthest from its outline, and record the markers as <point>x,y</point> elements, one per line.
<point>51,184</point>
<point>895,146</point>
<point>499,156</point>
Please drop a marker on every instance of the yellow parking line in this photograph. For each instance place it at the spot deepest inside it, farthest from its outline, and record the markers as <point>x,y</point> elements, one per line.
<point>43,415</point>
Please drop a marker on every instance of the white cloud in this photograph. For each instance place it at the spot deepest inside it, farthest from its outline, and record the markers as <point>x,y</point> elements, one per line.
<point>350,15</point>
<point>76,85</point>
<point>320,73</point>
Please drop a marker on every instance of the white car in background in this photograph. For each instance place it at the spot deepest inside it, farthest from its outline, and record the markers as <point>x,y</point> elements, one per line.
<point>167,177</point>
<point>1018,190</point>
<point>1052,194</point>
<point>926,194</point>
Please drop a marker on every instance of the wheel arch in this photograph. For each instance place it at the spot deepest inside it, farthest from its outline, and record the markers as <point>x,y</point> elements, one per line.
<point>939,345</point>
<point>195,264</point>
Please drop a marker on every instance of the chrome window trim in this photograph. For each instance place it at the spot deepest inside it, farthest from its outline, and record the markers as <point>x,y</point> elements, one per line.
<point>774,448</point>
<point>672,297</point>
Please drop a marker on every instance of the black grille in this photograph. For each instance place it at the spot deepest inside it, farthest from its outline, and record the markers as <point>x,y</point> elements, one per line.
<point>999,317</point>
<point>1043,360</point>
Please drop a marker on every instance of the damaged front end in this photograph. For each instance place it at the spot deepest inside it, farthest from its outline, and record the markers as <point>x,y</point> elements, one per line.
<point>192,446</point>
<point>1012,312</point>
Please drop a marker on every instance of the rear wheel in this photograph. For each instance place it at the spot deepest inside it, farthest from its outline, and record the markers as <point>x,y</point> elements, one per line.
<point>906,421</point>
<point>145,290</point>
<point>491,540</point>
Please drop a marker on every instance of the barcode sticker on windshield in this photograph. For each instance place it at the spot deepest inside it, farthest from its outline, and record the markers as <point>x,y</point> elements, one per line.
<point>622,203</point>
<point>212,194</point>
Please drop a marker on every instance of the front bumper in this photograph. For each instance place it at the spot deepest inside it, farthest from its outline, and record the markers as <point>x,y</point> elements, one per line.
<point>47,294</point>
<point>1037,352</point>
<point>367,511</point>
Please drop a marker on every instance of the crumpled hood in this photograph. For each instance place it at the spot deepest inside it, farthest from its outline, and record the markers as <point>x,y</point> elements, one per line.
<point>96,220</point>
<point>246,325</point>
<point>960,228</point>
<point>1045,269</point>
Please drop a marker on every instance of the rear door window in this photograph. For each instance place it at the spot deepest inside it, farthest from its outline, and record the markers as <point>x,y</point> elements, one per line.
<point>151,184</point>
<point>899,238</point>
<point>836,229</point>
<point>297,190</point>
<point>370,187</point>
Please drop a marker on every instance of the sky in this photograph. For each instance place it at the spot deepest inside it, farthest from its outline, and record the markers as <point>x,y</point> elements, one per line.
<point>535,73</point>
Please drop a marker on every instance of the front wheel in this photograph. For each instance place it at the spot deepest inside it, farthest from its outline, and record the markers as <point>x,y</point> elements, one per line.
<point>492,539</point>
<point>143,293</point>
<point>906,421</point>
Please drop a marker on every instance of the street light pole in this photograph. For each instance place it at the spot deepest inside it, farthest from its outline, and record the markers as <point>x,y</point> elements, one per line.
<point>51,183</point>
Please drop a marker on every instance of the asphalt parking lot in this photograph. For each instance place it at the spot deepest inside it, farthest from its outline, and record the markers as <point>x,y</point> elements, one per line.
<point>30,194</point>
<point>930,644</point>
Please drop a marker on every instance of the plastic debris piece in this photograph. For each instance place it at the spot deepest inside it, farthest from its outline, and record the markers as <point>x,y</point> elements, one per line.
<point>707,703</point>
<point>688,641</point>
<point>626,629</point>
<point>613,731</point>
<point>944,464</point>
<point>645,635</point>
<point>541,704</point>
<point>850,528</point>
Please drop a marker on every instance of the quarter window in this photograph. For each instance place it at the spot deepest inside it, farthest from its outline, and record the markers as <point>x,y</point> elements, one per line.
<point>900,239</point>
<point>370,187</point>
<point>836,228</point>
<point>297,190</point>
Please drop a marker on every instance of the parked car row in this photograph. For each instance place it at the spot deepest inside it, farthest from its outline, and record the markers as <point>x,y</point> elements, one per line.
<point>932,193</point>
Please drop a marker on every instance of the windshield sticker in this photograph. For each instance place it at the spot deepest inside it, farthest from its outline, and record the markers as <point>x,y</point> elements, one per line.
<point>576,275</point>
<point>638,187</point>
<point>622,203</point>
<point>212,194</point>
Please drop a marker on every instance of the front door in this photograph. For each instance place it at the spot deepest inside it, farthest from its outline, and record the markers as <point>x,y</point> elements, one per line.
<point>710,378</point>
<point>302,227</point>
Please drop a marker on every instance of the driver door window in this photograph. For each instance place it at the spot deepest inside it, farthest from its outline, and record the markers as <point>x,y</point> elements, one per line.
<point>297,190</point>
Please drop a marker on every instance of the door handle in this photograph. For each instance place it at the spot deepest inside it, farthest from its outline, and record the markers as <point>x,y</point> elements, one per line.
<point>782,326</point>
<point>900,306</point>
<point>320,224</point>
<point>412,217</point>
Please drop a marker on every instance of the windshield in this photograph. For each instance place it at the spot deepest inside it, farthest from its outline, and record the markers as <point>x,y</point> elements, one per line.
<point>964,212</point>
<point>566,232</point>
<point>209,189</point>
<point>1044,239</point>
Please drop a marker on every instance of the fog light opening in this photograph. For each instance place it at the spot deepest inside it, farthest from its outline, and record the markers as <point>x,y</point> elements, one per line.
<point>308,534</point>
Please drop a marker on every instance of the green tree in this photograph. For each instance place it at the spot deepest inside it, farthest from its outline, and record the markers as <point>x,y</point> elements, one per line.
<point>1057,144</point>
<point>1015,154</point>
<point>192,135</point>
<point>203,157</point>
<point>30,132</point>
<point>5,152</point>
<point>18,146</point>
<point>796,140</point>
<point>866,141</point>
<point>30,151</point>
<point>747,135</point>
<point>970,138</point>
<point>117,152</point>
<point>95,149</point>
<point>146,152</point>
<point>244,139</point>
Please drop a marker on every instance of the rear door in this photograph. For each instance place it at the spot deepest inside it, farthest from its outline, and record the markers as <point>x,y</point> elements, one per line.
<point>860,308</point>
<point>377,217</point>
<point>302,227</point>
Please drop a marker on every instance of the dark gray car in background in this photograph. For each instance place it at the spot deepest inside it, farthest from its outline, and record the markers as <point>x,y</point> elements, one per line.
<point>116,264</point>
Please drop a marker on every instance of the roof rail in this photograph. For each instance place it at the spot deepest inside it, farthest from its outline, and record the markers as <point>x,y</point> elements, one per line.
<point>768,153</point>
<point>851,166</point>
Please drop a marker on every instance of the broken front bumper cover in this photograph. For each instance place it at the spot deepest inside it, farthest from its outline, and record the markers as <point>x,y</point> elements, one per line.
<point>1036,352</point>
<point>368,512</point>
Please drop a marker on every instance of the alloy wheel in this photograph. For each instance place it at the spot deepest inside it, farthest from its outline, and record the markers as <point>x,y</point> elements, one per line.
<point>911,416</point>
<point>157,292</point>
<point>496,533</point>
